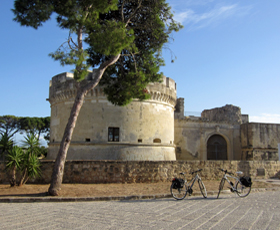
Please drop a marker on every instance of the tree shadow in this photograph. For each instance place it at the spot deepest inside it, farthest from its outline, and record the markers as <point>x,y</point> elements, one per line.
<point>41,194</point>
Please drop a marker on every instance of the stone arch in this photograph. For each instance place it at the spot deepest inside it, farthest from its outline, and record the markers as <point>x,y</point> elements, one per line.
<point>217,148</point>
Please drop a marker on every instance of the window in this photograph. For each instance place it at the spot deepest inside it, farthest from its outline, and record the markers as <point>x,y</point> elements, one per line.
<point>113,134</point>
<point>157,140</point>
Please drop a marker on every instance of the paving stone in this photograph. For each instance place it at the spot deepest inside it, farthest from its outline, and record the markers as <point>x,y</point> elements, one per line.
<point>257,211</point>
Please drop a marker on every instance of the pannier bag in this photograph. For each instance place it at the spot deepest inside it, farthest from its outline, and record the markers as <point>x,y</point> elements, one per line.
<point>178,183</point>
<point>246,181</point>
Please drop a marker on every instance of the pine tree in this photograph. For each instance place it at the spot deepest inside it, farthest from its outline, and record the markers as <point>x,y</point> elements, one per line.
<point>124,40</point>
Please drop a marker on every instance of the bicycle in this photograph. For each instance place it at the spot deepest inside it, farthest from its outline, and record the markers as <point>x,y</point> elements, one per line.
<point>180,187</point>
<point>242,186</point>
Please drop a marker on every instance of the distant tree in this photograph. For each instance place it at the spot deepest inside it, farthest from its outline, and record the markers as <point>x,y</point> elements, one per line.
<point>9,125</point>
<point>35,125</point>
<point>123,37</point>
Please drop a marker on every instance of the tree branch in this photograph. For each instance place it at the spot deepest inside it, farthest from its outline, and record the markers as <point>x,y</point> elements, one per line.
<point>122,10</point>
<point>132,15</point>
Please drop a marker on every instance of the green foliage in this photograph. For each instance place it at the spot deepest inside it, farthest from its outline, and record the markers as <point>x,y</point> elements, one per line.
<point>26,161</point>
<point>32,12</point>
<point>32,165</point>
<point>140,61</point>
<point>35,125</point>
<point>109,38</point>
<point>32,144</point>
<point>9,125</point>
<point>6,143</point>
<point>14,157</point>
<point>14,161</point>
<point>73,57</point>
<point>136,29</point>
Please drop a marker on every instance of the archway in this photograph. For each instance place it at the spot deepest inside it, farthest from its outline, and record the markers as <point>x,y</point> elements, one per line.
<point>216,148</point>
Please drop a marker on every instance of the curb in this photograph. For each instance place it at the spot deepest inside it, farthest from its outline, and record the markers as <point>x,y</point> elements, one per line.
<point>113,198</point>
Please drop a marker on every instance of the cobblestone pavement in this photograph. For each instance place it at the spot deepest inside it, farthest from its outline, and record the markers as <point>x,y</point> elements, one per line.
<point>257,211</point>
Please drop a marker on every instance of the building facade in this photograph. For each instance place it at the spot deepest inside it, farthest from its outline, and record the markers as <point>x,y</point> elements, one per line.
<point>155,129</point>
<point>142,130</point>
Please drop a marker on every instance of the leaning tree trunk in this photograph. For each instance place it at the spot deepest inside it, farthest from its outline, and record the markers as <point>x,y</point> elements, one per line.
<point>84,87</point>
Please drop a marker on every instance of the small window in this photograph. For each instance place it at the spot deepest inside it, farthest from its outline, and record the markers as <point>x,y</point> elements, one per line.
<point>114,134</point>
<point>157,140</point>
<point>139,140</point>
<point>87,139</point>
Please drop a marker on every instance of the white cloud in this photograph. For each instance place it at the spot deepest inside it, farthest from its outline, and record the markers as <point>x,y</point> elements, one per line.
<point>265,118</point>
<point>212,17</point>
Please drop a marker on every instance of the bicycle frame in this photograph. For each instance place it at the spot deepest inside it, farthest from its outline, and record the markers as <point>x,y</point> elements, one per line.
<point>229,182</point>
<point>238,188</point>
<point>192,181</point>
<point>181,192</point>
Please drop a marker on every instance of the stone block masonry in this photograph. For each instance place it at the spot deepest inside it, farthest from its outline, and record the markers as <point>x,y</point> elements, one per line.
<point>149,171</point>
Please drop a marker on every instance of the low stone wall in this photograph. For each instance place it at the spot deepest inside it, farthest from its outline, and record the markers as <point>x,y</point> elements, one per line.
<point>149,171</point>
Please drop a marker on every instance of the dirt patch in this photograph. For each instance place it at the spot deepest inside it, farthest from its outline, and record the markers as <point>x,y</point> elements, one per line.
<point>99,190</point>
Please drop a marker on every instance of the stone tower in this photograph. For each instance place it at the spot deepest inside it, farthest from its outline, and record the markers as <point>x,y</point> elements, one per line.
<point>142,130</point>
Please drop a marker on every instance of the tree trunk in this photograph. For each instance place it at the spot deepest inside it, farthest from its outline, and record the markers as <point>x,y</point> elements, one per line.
<point>13,178</point>
<point>84,87</point>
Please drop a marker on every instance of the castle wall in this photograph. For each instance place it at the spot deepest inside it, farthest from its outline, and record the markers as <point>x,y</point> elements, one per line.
<point>146,128</point>
<point>149,171</point>
<point>227,114</point>
<point>260,141</point>
<point>192,134</point>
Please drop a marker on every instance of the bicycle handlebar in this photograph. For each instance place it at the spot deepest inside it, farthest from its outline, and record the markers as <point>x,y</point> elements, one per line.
<point>196,171</point>
<point>225,171</point>
<point>182,173</point>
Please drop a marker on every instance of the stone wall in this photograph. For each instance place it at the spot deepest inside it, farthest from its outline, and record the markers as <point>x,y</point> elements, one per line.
<point>179,109</point>
<point>260,141</point>
<point>149,171</point>
<point>227,113</point>
<point>191,138</point>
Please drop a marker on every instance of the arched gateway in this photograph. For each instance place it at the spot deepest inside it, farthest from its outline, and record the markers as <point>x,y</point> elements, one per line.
<point>216,148</point>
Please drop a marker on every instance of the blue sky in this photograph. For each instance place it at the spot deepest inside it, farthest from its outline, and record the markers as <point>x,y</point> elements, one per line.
<point>227,53</point>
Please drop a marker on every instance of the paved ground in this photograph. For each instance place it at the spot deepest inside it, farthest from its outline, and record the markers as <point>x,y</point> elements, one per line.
<point>260,210</point>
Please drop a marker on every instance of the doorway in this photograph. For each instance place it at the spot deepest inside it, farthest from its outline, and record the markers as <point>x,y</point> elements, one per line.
<point>216,148</point>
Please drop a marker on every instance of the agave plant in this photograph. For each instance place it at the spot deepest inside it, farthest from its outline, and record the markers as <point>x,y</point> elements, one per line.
<point>31,164</point>
<point>30,168</point>
<point>32,144</point>
<point>14,160</point>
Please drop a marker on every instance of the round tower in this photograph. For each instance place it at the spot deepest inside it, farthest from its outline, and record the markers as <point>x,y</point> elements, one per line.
<point>142,130</point>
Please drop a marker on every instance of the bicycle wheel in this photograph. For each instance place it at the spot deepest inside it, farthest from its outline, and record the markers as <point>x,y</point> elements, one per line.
<point>202,188</point>
<point>221,187</point>
<point>179,193</point>
<point>241,190</point>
